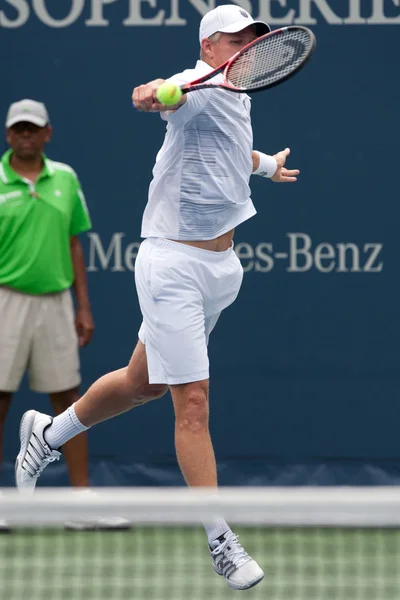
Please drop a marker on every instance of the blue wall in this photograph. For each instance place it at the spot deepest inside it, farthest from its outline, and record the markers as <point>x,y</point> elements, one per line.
<point>305,365</point>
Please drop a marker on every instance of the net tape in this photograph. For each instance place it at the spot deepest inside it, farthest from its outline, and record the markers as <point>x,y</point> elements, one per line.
<point>330,507</point>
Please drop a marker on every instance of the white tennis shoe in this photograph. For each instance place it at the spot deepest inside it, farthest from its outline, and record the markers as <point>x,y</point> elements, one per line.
<point>35,454</point>
<point>232,562</point>
<point>96,523</point>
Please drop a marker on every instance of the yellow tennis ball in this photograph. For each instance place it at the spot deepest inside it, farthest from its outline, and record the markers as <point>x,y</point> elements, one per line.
<point>169,93</point>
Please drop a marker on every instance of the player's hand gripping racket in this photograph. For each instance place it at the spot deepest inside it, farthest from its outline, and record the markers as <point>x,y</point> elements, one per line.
<point>267,61</point>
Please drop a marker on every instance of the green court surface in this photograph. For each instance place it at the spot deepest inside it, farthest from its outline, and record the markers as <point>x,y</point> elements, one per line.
<point>172,563</point>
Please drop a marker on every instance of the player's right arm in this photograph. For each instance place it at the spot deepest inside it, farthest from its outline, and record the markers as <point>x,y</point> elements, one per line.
<point>144,98</point>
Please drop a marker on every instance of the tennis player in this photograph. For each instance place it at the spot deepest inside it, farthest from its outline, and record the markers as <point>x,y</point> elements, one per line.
<point>186,274</point>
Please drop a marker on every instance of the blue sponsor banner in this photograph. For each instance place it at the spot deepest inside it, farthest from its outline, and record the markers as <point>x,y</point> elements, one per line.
<point>305,365</point>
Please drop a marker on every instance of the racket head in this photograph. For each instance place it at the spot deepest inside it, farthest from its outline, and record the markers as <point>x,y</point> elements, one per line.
<point>267,61</point>
<point>270,59</point>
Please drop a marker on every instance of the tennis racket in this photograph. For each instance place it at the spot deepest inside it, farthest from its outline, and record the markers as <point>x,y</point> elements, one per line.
<point>267,61</point>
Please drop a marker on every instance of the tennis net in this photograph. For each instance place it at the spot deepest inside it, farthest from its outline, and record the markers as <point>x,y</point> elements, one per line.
<point>312,543</point>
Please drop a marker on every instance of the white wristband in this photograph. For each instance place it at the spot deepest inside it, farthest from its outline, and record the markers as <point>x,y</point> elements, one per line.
<point>267,166</point>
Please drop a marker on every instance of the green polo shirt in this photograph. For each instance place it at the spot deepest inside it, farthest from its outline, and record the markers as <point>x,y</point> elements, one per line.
<point>37,221</point>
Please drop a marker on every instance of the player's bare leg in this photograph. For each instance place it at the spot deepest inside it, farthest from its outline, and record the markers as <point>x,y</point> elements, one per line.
<point>196,459</point>
<point>108,397</point>
<point>193,444</point>
<point>119,391</point>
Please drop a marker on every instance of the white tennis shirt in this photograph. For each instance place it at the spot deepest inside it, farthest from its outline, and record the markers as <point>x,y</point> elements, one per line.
<point>200,187</point>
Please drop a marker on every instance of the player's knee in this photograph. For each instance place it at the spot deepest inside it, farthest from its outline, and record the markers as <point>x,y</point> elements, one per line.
<point>194,415</point>
<point>154,391</point>
<point>148,392</point>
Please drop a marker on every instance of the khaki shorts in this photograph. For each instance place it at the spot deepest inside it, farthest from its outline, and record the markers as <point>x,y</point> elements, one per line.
<point>37,333</point>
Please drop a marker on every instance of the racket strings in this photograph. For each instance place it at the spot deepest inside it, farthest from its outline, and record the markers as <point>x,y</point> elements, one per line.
<point>272,58</point>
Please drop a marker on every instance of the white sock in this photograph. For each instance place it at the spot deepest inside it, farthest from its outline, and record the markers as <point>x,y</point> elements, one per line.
<point>63,428</point>
<point>214,530</point>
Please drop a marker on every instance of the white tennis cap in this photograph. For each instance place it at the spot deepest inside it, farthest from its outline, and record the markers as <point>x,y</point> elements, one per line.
<point>229,18</point>
<point>27,110</point>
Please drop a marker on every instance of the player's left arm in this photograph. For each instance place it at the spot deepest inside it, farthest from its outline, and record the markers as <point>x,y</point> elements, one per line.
<point>273,167</point>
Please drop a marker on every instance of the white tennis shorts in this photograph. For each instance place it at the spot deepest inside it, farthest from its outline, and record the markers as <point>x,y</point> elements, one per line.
<point>37,333</point>
<point>182,291</point>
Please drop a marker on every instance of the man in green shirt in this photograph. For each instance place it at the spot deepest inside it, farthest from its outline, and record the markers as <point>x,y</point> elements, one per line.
<point>42,211</point>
